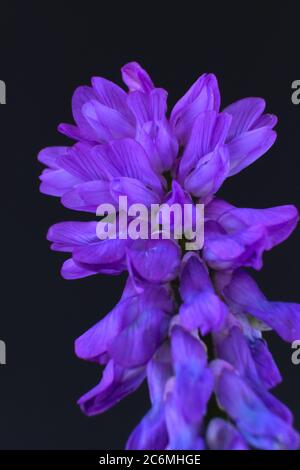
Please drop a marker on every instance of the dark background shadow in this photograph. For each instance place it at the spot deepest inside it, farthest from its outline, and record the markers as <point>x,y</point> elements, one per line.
<point>46,50</point>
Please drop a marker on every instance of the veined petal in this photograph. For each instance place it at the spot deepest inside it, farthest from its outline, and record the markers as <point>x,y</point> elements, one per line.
<point>155,260</point>
<point>150,106</point>
<point>159,142</point>
<point>66,236</point>
<point>209,131</point>
<point>202,96</point>
<point>94,343</point>
<point>71,270</point>
<point>206,312</point>
<point>279,222</point>
<point>111,95</point>
<point>266,120</point>
<point>136,78</point>
<point>230,251</point>
<point>135,345</point>
<point>126,157</point>
<point>81,162</point>
<point>243,293</point>
<point>209,174</point>
<point>166,145</point>
<point>248,147</point>
<point>88,196</point>
<point>108,123</point>
<point>103,252</point>
<point>57,182</point>
<point>135,190</point>
<point>245,113</point>
<point>83,95</point>
<point>75,133</point>
<point>216,208</point>
<point>49,156</point>
<point>116,383</point>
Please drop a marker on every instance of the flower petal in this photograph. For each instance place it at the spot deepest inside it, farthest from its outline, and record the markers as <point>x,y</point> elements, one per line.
<point>150,106</point>
<point>159,371</point>
<point>104,252</point>
<point>49,155</point>
<point>194,277</point>
<point>222,435</point>
<point>137,343</point>
<point>159,143</point>
<point>73,132</point>
<point>71,270</point>
<point>81,162</point>
<point>209,174</point>
<point>209,131</point>
<point>155,260</point>
<point>82,96</point>
<point>126,157</point>
<point>88,196</point>
<point>106,122</point>
<point>93,344</point>
<point>244,114</point>
<point>57,182</point>
<point>111,95</point>
<point>279,222</point>
<point>202,96</point>
<point>244,294</point>
<point>246,148</point>
<point>234,347</point>
<point>266,120</point>
<point>66,236</point>
<point>230,251</point>
<point>186,402</point>
<point>116,383</point>
<point>206,312</point>
<point>186,349</point>
<point>265,365</point>
<point>136,78</point>
<point>260,427</point>
<point>151,433</point>
<point>136,191</point>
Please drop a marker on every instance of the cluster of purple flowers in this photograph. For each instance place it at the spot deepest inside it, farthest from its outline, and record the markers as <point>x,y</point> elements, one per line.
<point>189,323</point>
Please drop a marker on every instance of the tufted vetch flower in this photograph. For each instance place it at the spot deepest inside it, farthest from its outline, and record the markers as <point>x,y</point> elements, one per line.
<point>190,323</point>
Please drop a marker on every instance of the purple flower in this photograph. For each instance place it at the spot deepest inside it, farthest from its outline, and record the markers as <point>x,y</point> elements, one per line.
<point>189,323</point>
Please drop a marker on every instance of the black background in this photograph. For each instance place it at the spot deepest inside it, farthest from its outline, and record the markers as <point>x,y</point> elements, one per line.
<point>47,49</point>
